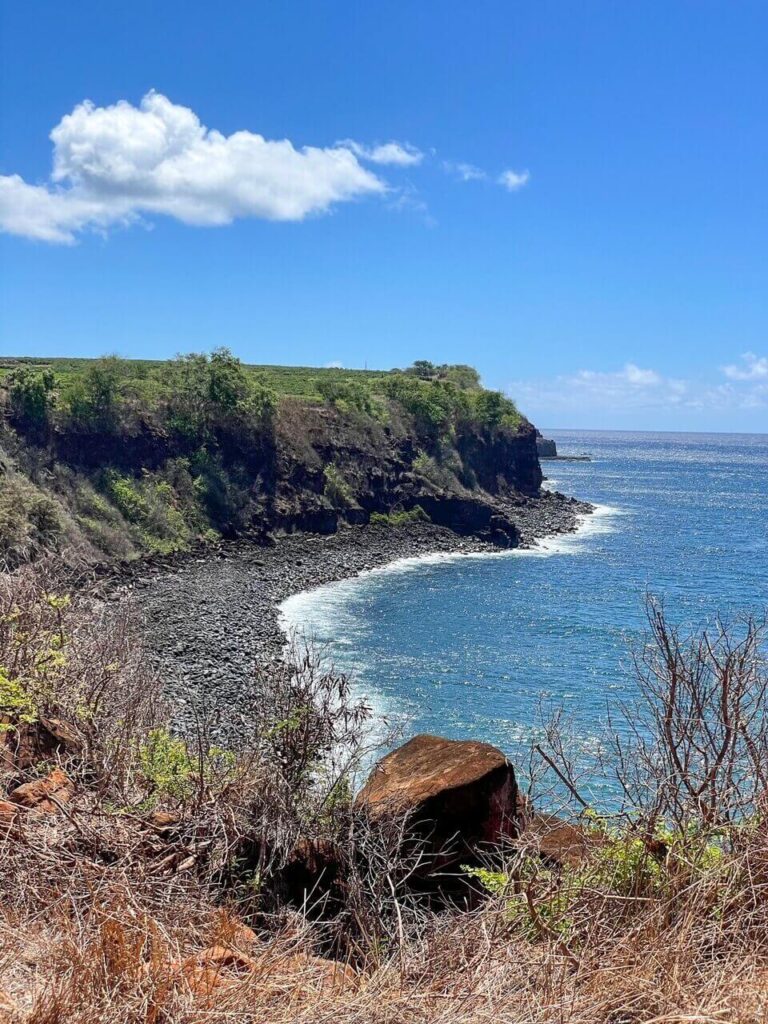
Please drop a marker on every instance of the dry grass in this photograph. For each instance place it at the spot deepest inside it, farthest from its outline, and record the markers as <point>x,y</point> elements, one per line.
<point>113,913</point>
<point>114,962</point>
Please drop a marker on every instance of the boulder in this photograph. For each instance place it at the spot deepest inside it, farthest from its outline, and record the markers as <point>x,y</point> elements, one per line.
<point>310,877</point>
<point>220,957</point>
<point>24,744</point>
<point>45,794</point>
<point>164,821</point>
<point>460,796</point>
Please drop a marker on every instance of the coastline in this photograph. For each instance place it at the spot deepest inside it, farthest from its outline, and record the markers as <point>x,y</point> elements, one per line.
<point>208,621</point>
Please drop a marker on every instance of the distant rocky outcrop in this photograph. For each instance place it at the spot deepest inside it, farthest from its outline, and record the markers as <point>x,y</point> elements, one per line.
<point>545,447</point>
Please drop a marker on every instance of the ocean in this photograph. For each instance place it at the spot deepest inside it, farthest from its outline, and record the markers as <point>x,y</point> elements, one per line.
<point>483,646</point>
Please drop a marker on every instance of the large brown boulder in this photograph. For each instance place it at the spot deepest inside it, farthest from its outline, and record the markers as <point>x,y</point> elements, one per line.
<point>460,796</point>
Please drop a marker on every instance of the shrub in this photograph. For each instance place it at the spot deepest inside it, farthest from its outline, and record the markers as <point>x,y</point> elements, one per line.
<point>493,410</point>
<point>434,404</point>
<point>15,701</point>
<point>93,400</point>
<point>151,505</point>
<point>347,394</point>
<point>401,518</point>
<point>124,492</point>
<point>437,473</point>
<point>336,489</point>
<point>174,769</point>
<point>30,520</point>
<point>224,497</point>
<point>214,392</point>
<point>31,399</point>
<point>463,376</point>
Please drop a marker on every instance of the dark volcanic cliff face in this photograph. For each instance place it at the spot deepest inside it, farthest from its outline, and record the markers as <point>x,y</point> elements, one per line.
<point>503,461</point>
<point>149,488</point>
<point>375,468</point>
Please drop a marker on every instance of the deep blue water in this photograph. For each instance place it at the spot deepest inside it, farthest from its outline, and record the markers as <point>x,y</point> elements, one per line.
<point>471,646</point>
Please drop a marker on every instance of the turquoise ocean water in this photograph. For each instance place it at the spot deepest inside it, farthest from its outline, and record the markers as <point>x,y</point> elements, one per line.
<point>472,646</point>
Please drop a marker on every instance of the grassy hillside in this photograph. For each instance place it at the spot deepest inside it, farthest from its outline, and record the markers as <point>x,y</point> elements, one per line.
<point>118,457</point>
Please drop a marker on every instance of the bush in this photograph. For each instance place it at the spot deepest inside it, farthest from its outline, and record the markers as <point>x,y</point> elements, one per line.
<point>214,392</point>
<point>402,518</point>
<point>173,769</point>
<point>30,520</point>
<point>31,399</point>
<point>150,504</point>
<point>124,492</point>
<point>347,394</point>
<point>93,401</point>
<point>463,376</point>
<point>434,404</point>
<point>493,410</point>
<point>437,473</point>
<point>336,489</point>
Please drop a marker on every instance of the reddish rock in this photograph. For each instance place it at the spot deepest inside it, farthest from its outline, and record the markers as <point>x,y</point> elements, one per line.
<point>25,744</point>
<point>219,957</point>
<point>218,968</point>
<point>164,820</point>
<point>310,878</point>
<point>557,842</point>
<point>460,795</point>
<point>311,873</point>
<point>45,794</point>
<point>8,813</point>
<point>206,982</point>
<point>316,971</point>
<point>211,971</point>
<point>233,932</point>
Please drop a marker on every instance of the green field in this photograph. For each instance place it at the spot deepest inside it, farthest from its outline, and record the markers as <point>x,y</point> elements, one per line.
<point>300,381</point>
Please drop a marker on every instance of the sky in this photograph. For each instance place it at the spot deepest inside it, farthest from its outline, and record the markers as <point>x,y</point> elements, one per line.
<point>570,196</point>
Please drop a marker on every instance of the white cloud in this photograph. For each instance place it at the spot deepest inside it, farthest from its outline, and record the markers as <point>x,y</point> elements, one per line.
<point>752,368</point>
<point>614,396</point>
<point>398,154</point>
<point>335,365</point>
<point>631,387</point>
<point>113,164</point>
<point>510,180</point>
<point>463,171</point>
<point>52,215</point>
<point>513,180</point>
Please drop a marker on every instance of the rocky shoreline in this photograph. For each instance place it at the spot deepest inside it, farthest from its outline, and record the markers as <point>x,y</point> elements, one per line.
<point>210,618</point>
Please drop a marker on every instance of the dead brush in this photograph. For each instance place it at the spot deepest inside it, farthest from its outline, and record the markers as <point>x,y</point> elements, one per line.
<point>128,905</point>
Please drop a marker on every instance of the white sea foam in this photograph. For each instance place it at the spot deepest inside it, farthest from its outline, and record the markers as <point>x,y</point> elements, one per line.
<point>313,614</point>
<point>294,611</point>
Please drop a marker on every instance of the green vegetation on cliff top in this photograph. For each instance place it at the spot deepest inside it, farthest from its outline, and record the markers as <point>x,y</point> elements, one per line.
<point>302,381</point>
<point>128,456</point>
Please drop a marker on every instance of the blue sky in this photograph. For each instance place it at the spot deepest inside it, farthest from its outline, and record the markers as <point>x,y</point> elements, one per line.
<point>616,277</point>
